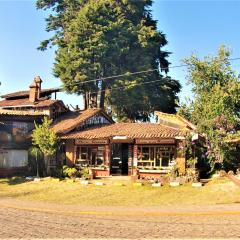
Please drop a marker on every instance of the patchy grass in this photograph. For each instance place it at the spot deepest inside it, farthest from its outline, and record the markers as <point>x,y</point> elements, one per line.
<point>215,192</point>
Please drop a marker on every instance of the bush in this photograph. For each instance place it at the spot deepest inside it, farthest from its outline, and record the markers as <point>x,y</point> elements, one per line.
<point>70,172</point>
<point>85,173</point>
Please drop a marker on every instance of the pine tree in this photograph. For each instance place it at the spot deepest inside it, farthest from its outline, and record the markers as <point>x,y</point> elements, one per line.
<point>101,38</point>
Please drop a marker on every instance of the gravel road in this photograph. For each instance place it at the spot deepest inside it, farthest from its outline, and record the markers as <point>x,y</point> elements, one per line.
<point>28,220</point>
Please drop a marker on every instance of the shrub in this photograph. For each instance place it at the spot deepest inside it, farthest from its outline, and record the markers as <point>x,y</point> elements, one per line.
<point>70,172</point>
<point>85,173</point>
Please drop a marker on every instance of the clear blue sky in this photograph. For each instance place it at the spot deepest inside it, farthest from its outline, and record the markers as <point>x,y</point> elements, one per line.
<point>190,26</point>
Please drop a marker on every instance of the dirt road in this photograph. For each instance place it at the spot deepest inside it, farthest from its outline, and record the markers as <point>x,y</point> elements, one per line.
<point>27,220</point>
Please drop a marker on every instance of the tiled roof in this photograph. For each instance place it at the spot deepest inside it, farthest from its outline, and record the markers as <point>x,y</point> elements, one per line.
<point>174,120</point>
<point>46,103</point>
<point>26,93</point>
<point>71,120</point>
<point>26,102</point>
<point>17,102</point>
<point>130,130</point>
<point>20,113</point>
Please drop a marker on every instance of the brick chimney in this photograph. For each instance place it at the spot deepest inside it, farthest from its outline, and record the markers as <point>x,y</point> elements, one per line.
<point>38,81</point>
<point>33,92</point>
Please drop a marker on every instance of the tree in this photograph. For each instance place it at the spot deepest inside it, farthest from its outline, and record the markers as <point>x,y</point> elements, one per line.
<point>100,38</point>
<point>45,139</point>
<point>216,104</point>
<point>36,152</point>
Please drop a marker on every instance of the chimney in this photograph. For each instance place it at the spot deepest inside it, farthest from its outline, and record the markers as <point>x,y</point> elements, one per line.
<point>38,81</point>
<point>33,92</point>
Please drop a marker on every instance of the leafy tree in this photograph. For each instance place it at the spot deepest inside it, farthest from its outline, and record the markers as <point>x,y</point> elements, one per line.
<point>215,108</point>
<point>45,139</point>
<point>101,38</point>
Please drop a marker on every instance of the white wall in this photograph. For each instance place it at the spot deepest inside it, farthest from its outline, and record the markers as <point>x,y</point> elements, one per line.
<point>13,158</point>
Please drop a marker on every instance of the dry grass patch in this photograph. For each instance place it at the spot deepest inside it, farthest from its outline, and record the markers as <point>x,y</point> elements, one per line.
<point>214,192</point>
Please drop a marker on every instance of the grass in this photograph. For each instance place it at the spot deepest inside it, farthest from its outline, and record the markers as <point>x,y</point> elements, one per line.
<point>215,192</point>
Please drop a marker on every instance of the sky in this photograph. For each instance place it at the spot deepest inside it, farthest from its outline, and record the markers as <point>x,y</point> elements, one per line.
<point>193,26</point>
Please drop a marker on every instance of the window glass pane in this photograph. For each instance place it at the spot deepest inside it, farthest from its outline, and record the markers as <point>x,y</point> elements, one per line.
<point>152,153</point>
<point>165,161</point>
<point>139,153</point>
<point>84,154</point>
<point>145,153</point>
<point>100,157</point>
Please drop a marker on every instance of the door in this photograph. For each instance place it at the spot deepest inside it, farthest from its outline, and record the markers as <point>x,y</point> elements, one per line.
<point>119,160</point>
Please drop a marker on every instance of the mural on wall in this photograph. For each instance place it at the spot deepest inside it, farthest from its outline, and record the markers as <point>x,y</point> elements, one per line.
<point>17,132</point>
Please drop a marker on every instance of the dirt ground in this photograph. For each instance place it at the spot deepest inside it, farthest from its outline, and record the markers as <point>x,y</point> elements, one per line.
<point>27,220</point>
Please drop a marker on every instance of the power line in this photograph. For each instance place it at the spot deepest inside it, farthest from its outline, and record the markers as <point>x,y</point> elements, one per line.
<point>139,72</point>
<point>128,86</point>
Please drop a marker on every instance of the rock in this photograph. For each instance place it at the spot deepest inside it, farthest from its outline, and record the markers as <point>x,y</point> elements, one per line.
<point>174,184</point>
<point>222,173</point>
<point>29,178</point>
<point>37,179</point>
<point>156,185</point>
<point>99,183</point>
<point>197,184</point>
<point>84,182</point>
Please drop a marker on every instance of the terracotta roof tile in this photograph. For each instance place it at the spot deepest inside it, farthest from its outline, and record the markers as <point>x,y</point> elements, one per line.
<point>25,102</point>
<point>26,93</point>
<point>130,130</point>
<point>71,120</point>
<point>16,102</point>
<point>20,113</point>
<point>46,103</point>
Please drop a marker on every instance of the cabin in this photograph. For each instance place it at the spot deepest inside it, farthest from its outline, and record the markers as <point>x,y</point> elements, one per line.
<point>107,148</point>
<point>18,112</point>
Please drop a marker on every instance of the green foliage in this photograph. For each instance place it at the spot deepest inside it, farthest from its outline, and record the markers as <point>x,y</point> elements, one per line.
<point>70,172</point>
<point>191,162</point>
<point>101,38</point>
<point>35,151</point>
<point>44,138</point>
<point>85,173</point>
<point>215,109</point>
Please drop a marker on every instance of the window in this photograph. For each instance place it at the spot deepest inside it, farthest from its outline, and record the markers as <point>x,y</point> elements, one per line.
<point>155,156</point>
<point>145,156</point>
<point>90,155</point>
<point>13,158</point>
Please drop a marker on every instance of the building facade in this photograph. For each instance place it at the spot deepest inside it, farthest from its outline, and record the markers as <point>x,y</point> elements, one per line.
<point>146,149</point>
<point>18,113</point>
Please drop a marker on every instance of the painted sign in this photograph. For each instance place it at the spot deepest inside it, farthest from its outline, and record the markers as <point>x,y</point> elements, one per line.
<point>91,141</point>
<point>155,141</point>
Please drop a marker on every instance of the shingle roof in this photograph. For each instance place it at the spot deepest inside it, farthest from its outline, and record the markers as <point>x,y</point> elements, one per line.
<point>16,102</point>
<point>174,120</point>
<point>130,130</point>
<point>26,93</point>
<point>20,113</point>
<point>71,120</point>
<point>26,102</point>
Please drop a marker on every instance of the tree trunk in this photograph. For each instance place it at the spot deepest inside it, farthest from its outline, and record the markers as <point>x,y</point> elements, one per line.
<point>93,100</point>
<point>85,99</point>
<point>102,95</point>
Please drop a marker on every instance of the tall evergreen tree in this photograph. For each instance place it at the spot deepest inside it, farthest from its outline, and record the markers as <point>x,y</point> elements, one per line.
<point>101,38</point>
